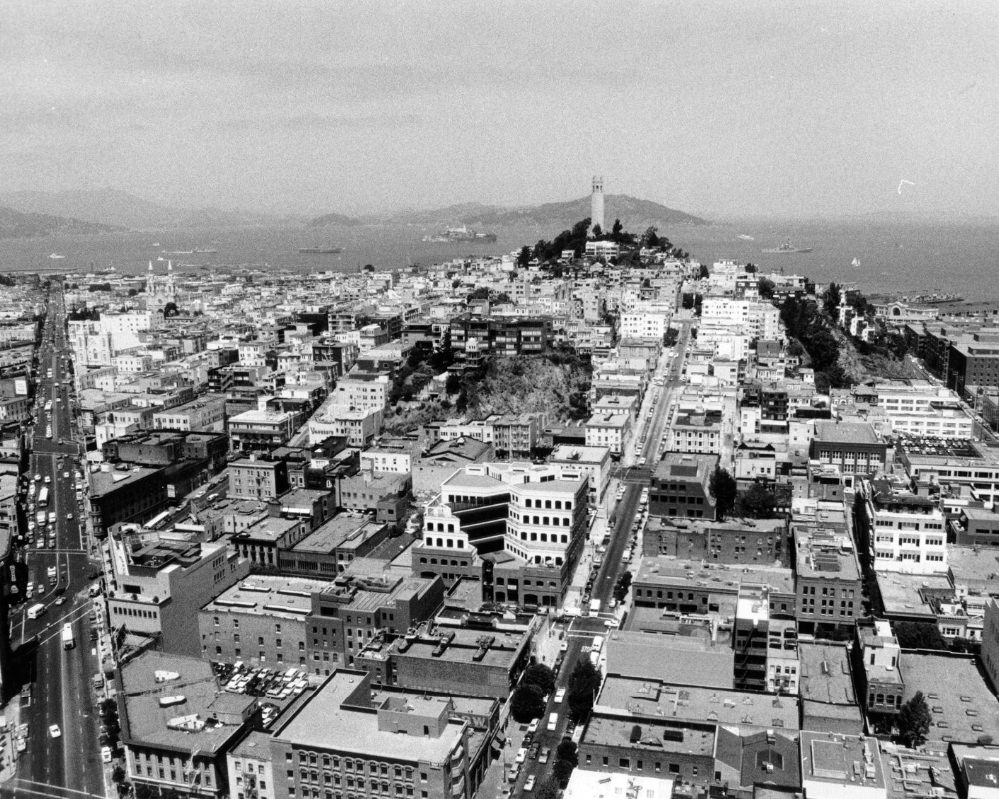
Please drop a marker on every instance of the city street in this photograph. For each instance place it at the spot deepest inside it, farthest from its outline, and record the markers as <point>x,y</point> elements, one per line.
<point>580,631</point>
<point>54,680</point>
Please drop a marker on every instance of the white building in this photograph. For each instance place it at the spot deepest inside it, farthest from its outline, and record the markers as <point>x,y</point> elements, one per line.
<point>368,395</point>
<point>907,532</point>
<point>610,430</point>
<point>644,324</point>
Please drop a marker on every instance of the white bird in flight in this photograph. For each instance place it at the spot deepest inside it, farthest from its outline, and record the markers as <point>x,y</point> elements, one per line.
<point>904,182</point>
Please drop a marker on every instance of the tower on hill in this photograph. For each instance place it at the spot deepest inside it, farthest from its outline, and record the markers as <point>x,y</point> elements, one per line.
<point>597,203</point>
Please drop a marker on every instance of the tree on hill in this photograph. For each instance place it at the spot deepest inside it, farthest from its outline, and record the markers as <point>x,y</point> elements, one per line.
<point>540,676</point>
<point>704,272</point>
<point>831,299</point>
<point>914,721</point>
<point>597,231</point>
<point>525,256</point>
<point>527,703</point>
<point>766,288</point>
<point>723,488</point>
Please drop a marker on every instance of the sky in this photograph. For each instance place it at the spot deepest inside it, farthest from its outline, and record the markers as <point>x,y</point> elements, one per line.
<point>719,108</point>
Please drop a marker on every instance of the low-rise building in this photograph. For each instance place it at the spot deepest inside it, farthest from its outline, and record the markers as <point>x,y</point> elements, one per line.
<point>257,478</point>
<point>346,615</point>
<point>459,660</point>
<point>854,447</point>
<point>680,486</point>
<point>330,549</point>
<point>905,531</point>
<point>177,725</point>
<point>261,620</point>
<point>835,766</point>
<point>158,586</point>
<point>120,494</point>
<point>345,737</point>
<point>260,429</point>
<point>829,583</point>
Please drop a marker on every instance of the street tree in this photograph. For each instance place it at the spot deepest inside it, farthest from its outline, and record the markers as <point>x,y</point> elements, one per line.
<point>527,703</point>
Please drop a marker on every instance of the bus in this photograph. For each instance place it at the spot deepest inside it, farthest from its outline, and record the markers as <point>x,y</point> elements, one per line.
<point>36,610</point>
<point>43,497</point>
<point>68,639</point>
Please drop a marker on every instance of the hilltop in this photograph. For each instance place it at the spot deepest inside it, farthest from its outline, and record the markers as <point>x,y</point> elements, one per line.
<point>19,225</point>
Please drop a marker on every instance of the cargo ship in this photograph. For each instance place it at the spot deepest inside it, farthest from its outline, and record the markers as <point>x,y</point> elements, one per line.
<point>320,250</point>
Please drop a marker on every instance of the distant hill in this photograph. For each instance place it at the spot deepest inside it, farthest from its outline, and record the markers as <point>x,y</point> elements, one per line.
<point>115,207</point>
<point>331,220</point>
<point>19,225</point>
<point>633,213</point>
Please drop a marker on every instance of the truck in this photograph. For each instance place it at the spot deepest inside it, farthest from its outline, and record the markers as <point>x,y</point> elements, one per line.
<point>40,518</point>
<point>594,607</point>
<point>552,722</point>
<point>68,639</point>
<point>43,497</point>
<point>36,610</point>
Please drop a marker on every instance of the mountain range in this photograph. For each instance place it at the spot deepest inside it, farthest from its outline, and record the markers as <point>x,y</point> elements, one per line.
<point>39,213</point>
<point>20,225</point>
<point>633,213</point>
<point>119,208</point>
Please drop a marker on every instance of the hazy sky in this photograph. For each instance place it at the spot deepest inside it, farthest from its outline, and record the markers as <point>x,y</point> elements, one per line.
<point>721,108</point>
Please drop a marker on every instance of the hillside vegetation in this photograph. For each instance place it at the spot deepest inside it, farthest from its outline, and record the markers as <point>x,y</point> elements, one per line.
<point>556,385</point>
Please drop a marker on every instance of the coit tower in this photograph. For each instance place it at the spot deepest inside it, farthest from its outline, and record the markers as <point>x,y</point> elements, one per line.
<point>597,203</point>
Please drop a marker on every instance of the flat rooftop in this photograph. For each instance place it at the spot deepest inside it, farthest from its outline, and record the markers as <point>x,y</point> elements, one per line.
<point>269,529</point>
<point>148,722</point>
<point>840,759</point>
<point>277,597</point>
<point>825,674</point>
<point>102,482</point>
<point>962,707</point>
<point>671,660</point>
<point>643,697</point>
<point>351,529</point>
<point>845,432</point>
<point>604,730</point>
<point>720,577</point>
<point>901,593</point>
<point>323,722</point>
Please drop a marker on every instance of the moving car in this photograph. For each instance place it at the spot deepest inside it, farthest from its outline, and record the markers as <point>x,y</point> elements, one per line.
<point>54,731</point>
<point>529,784</point>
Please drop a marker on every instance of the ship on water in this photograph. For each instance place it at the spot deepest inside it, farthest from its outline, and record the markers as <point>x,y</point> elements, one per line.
<point>320,250</point>
<point>785,248</point>
<point>459,234</point>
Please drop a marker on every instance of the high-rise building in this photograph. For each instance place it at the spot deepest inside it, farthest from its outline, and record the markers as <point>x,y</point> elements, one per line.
<point>597,203</point>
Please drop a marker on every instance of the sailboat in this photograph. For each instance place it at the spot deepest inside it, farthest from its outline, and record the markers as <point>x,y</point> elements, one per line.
<point>855,263</point>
